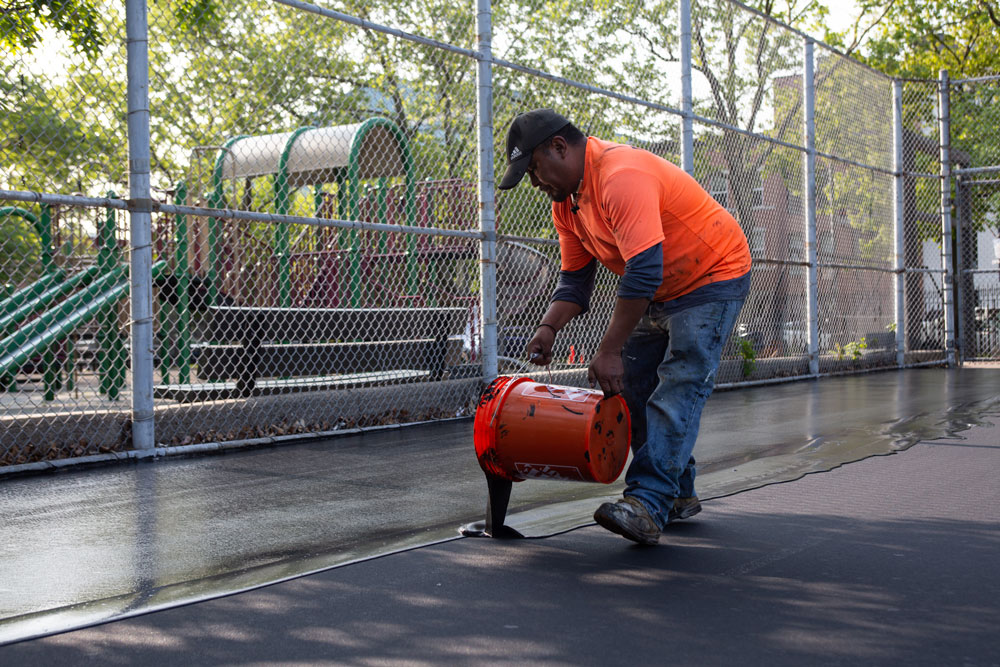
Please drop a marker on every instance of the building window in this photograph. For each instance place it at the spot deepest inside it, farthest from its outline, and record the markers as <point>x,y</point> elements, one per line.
<point>826,244</point>
<point>757,196</point>
<point>718,187</point>
<point>758,241</point>
<point>796,253</point>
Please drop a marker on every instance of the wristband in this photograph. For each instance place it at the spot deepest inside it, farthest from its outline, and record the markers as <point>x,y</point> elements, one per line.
<point>543,324</point>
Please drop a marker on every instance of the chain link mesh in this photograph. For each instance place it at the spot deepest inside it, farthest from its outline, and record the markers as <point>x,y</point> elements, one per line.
<point>923,277</point>
<point>975,110</point>
<point>312,327</point>
<point>63,308</point>
<point>276,130</point>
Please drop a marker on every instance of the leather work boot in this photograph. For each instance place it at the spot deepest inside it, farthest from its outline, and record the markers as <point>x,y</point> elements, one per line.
<point>629,518</point>
<point>683,508</point>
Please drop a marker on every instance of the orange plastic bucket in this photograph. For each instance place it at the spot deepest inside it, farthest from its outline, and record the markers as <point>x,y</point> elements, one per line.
<point>527,430</point>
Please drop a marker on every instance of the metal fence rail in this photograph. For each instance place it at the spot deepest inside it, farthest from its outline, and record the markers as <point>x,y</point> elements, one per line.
<point>311,241</point>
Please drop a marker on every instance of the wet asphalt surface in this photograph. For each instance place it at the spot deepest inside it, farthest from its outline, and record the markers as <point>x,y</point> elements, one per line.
<point>83,546</point>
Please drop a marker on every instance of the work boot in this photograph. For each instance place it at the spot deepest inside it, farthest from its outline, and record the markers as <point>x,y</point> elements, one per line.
<point>683,508</point>
<point>629,518</point>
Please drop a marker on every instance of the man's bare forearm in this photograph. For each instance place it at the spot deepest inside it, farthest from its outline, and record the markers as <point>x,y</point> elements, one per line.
<point>626,315</point>
<point>559,313</point>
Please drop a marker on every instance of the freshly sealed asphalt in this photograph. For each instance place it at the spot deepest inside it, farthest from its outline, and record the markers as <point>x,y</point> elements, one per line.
<point>888,560</point>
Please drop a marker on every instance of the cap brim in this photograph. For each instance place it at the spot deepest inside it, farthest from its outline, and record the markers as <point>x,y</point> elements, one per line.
<point>514,174</point>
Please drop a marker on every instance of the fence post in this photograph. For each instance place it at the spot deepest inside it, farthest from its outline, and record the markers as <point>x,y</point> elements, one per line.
<point>948,279</point>
<point>899,259</point>
<point>108,335</point>
<point>140,223</point>
<point>687,103</point>
<point>812,302</point>
<point>183,285</point>
<point>962,337</point>
<point>487,209</point>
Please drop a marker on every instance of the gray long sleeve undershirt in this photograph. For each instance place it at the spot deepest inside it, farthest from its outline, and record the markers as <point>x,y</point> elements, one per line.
<point>643,275</point>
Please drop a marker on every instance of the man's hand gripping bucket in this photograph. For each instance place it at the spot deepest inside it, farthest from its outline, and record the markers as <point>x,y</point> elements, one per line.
<point>528,430</point>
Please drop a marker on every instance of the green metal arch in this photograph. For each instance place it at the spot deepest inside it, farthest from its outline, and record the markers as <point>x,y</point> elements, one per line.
<point>281,178</point>
<point>281,203</point>
<point>217,168</point>
<point>215,201</point>
<point>353,165</point>
<point>404,147</point>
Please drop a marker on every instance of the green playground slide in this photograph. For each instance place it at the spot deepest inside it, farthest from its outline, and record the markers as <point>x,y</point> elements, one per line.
<point>39,297</point>
<point>64,315</point>
<point>20,296</point>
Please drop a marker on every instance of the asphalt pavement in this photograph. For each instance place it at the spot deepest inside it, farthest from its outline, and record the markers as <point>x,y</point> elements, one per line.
<point>800,557</point>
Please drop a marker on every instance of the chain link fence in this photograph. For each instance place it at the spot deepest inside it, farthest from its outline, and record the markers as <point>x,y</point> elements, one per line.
<point>924,279</point>
<point>975,109</point>
<point>324,227</point>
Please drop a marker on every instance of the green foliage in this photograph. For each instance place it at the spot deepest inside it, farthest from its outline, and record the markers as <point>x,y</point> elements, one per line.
<point>920,37</point>
<point>47,147</point>
<point>22,20</point>
<point>747,354</point>
<point>20,250</point>
<point>218,70</point>
<point>197,15</point>
<point>852,350</point>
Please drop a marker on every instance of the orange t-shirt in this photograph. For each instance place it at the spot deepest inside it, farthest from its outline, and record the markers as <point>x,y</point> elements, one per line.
<point>631,200</point>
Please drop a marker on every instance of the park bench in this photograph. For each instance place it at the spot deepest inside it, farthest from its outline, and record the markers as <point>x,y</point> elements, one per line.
<point>276,350</point>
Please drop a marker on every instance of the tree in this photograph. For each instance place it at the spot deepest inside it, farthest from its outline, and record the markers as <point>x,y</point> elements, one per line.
<point>634,49</point>
<point>21,22</point>
<point>20,249</point>
<point>918,38</point>
<point>46,147</point>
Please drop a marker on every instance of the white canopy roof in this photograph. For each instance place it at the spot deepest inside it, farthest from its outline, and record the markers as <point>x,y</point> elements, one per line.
<point>316,153</point>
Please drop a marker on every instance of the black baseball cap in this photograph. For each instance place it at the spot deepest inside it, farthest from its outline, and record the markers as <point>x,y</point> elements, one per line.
<point>527,131</point>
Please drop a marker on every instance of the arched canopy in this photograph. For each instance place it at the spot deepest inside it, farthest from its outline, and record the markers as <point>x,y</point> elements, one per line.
<point>312,156</point>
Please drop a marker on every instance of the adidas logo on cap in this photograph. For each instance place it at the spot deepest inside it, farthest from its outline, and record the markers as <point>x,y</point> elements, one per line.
<point>527,132</point>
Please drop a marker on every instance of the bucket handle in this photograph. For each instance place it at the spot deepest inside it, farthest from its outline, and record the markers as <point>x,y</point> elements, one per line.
<point>519,371</point>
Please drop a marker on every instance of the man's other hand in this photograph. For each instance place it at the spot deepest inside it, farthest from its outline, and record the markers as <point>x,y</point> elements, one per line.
<point>607,371</point>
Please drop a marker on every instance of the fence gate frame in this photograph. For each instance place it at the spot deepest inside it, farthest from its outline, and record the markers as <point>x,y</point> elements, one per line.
<point>967,180</point>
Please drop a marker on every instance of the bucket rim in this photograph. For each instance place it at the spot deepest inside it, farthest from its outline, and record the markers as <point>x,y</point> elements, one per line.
<point>484,432</point>
<point>628,445</point>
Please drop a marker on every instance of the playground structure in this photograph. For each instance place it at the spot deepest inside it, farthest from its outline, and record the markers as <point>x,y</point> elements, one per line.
<point>361,172</point>
<point>348,157</point>
<point>40,320</point>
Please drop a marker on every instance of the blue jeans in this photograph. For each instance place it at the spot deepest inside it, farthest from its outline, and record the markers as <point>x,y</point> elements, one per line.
<point>670,365</point>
